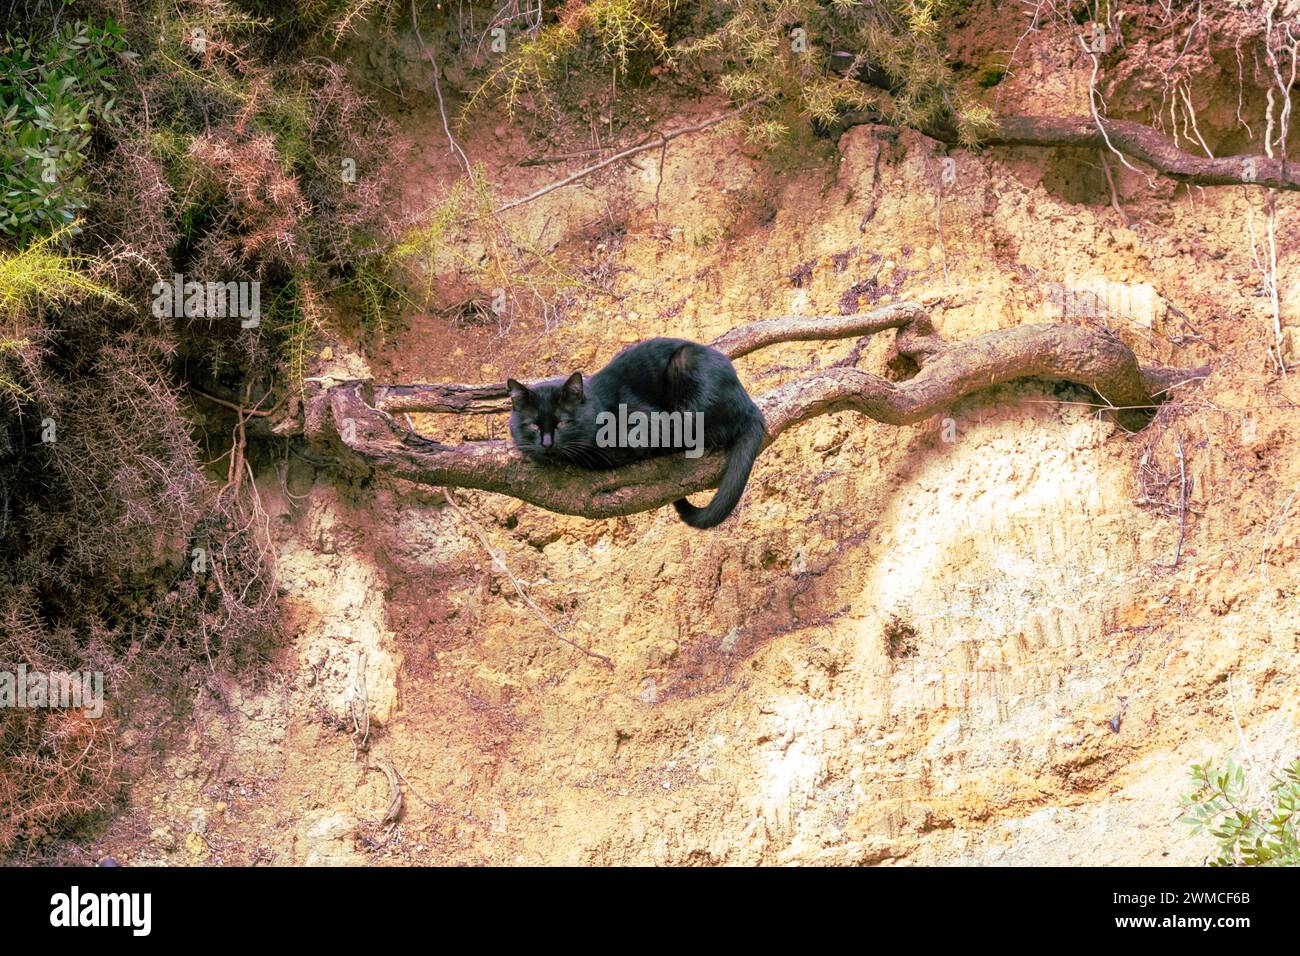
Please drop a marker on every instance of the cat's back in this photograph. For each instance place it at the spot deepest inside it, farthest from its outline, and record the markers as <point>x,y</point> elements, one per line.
<point>641,366</point>
<point>651,355</point>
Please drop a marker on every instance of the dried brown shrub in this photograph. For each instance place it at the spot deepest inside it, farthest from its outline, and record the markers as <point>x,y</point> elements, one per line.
<point>99,530</point>
<point>117,552</point>
<point>264,220</point>
<point>352,211</point>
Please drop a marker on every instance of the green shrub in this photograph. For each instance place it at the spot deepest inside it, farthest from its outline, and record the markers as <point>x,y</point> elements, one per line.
<point>463,243</point>
<point>1250,829</point>
<point>51,95</point>
<point>603,36</point>
<point>805,60</point>
<point>40,272</point>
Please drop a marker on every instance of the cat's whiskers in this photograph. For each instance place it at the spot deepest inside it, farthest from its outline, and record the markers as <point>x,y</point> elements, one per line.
<point>581,452</point>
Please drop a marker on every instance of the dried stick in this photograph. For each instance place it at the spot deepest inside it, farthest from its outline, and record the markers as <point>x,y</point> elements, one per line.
<point>656,142</point>
<point>394,792</point>
<point>437,88</point>
<point>499,560</point>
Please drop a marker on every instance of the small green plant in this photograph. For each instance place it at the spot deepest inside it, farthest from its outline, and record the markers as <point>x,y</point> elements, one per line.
<point>51,95</point>
<point>464,238</point>
<point>377,298</point>
<point>604,35</point>
<point>293,316</point>
<point>42,272</point>
<point>1251,829</point>
<point>816,60</point>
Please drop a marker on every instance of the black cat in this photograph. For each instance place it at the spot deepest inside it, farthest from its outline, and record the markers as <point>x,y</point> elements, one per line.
<point>655,398</point>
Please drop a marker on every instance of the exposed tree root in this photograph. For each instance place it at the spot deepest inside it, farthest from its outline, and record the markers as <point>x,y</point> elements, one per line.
<point>354,419</point>
<point>1128,138</point>
<point>1143,143</point>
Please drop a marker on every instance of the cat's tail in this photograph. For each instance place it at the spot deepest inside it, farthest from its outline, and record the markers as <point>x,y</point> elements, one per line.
<point>740,459</point>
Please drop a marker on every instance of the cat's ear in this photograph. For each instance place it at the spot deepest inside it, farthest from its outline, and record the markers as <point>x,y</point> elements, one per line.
<point>519,394</point>
<point>571,390</point>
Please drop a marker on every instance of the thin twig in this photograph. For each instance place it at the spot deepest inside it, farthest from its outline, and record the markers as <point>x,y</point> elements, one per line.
<point>394,792</point>
<point>419,796</point>
<point>1182,498</point>
<point>1114,194</point>
<point>437,88</point>
<point>500,562</point>
<point>656,142</point>
<point>246,412</point>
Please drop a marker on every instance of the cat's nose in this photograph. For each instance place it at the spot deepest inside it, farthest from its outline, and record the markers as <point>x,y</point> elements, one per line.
<point>546,440</point>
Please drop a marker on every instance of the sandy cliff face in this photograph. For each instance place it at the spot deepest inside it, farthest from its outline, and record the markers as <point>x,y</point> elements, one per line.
<point>959,642</point>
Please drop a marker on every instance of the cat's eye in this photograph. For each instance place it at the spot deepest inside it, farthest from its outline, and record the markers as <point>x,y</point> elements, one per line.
<point>560,424</point>
<point>534,427</point>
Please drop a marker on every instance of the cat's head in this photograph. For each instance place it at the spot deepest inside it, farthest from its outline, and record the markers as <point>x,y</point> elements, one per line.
<point>551,421</point>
